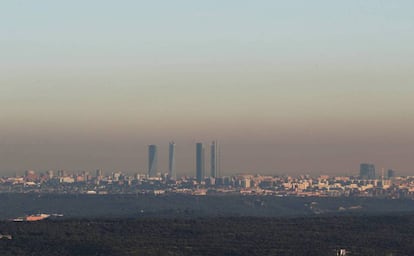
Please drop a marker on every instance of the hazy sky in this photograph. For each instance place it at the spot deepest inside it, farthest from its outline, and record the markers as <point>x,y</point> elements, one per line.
<point>285,86</point>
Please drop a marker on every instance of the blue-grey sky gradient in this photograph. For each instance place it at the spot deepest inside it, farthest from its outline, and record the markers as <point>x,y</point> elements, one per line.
<point>286,86</point>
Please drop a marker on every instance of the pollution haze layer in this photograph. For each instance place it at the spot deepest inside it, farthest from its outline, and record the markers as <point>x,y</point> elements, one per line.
<point>300,87</point>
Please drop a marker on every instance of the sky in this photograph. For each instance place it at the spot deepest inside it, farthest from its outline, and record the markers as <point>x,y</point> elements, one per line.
<point>287,87</point>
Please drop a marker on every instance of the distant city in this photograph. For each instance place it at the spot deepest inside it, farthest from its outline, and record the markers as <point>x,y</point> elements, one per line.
<point>369,182</point>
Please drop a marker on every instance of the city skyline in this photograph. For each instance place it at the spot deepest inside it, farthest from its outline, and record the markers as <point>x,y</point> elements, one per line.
<point>155,164</point>
<point>285,86</point>
<point>212,127</point>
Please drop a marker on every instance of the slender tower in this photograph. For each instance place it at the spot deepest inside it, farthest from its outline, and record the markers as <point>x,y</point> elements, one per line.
<point>152,160</point>
<point>215,159</point>
<point>200,163</point>
<point>171,160</point>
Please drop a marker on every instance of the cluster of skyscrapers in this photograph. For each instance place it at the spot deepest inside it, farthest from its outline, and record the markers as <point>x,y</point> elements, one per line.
<point>367,172</point>
<point>200,161</point>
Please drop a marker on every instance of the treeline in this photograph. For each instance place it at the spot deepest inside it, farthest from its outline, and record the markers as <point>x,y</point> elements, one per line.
<point>374,235</point>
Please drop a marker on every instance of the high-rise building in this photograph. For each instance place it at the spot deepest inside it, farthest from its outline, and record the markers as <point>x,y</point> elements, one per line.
<point>200,163</point>
<point>171,161</point>
<point>50,174</point>
<point>390,174</point>
<point>215,159</point>
<point>99,174</point>
<point>367,171</point>
<point>62,173</point>
<point>152,160</point>
<point>30,175</point>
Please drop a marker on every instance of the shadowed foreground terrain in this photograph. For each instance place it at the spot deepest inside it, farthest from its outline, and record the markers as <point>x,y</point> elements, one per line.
<point>361,235</point>
<point>179,206</point>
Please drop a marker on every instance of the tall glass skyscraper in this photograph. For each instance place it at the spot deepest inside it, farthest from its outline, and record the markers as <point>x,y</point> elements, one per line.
<point>215,159</point>
<point>171,161</point>
<point>152,160</point>
<point>367,171</point>
<point>200,163</point>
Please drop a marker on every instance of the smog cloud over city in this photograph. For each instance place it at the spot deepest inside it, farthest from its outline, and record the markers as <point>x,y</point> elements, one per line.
<point>286,87</point>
